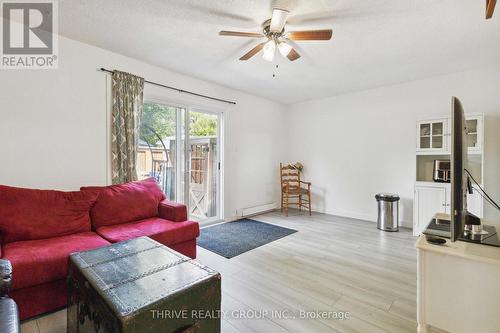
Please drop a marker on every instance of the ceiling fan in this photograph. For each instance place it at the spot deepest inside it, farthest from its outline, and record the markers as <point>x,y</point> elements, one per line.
<point>274,31</point>
<point>490,8</point>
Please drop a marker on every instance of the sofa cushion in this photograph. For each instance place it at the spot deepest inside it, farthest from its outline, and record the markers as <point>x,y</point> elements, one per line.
<point>124,203</point>
<point>164,231</point>
<point>27,214</point>
<point>45,260</point>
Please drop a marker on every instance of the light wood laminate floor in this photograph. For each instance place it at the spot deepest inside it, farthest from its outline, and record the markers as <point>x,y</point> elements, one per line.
<point>332,264</point>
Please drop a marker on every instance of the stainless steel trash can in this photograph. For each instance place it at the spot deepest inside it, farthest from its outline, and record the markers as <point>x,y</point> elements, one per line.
<point>388,211</point>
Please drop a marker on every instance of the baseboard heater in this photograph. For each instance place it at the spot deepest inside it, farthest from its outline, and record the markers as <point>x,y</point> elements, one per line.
<point>251,211</point>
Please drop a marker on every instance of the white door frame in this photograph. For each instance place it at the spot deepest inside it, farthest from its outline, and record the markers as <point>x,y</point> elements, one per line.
<point>185,107</point>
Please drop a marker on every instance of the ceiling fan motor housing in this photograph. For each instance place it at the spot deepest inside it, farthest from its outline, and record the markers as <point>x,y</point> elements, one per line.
<point>266,30</point>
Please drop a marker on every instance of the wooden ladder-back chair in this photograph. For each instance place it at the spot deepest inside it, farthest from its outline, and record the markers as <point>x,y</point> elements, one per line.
<point>293,188</point>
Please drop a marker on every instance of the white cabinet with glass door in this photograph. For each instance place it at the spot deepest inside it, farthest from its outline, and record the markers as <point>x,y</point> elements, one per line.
<point>433,136</point>
<point>475,134</point>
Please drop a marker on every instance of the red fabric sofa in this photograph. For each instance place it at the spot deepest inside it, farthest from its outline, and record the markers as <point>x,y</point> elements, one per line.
<point>40,228</point>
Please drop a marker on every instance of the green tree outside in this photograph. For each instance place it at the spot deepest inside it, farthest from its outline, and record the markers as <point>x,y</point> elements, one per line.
<point>161,119</point>
<point>202,124</point>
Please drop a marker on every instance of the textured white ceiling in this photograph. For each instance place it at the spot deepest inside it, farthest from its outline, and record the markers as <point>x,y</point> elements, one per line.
<point>375,42</point>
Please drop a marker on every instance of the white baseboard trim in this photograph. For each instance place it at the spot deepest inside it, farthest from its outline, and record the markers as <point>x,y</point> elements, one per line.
<point>255,210</point>
<point>252,211</point>
<point>237,217</point>
<point>212,223</point>
<point>353,215</point>
<point>365,217</point>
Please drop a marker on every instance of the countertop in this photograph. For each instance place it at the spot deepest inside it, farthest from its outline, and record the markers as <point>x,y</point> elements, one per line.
<point>476,252</point>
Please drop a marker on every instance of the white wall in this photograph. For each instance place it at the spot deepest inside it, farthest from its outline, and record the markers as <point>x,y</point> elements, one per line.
<point>53,126</point>
<point>356,145</point>
<point>53,132</point>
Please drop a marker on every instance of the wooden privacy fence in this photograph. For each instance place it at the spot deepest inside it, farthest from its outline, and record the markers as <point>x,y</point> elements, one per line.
<point>159,162</point>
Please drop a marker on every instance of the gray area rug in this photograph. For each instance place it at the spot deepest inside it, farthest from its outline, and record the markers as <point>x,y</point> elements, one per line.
<point>234,238</point>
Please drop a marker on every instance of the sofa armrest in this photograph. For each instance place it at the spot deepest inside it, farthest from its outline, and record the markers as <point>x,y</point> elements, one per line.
<point>172,211</point>
<point>5,277</point>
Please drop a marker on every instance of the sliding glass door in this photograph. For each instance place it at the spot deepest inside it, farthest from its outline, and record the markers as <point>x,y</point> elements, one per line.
<point>158,150</point>
<point>203,155</point>
<point>180,148</point>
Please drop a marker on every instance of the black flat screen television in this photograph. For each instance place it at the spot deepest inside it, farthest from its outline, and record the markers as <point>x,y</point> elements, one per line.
<point>458,211</point>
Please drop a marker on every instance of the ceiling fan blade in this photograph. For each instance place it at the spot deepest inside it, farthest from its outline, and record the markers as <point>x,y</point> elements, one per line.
<point>310,35</point>
<point>293,55</point>
<point>240,34</point>
<point>278,20</point>
<point>490,8</point>
<point>252,52</point>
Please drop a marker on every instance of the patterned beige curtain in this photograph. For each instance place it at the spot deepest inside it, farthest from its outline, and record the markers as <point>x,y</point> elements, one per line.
<point>127,92</point>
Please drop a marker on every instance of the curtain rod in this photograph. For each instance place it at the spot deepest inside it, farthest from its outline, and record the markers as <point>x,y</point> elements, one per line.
<point>177,89</point>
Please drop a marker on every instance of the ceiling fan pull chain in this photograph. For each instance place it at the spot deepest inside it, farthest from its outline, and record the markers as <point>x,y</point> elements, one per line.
<point>274,74</point>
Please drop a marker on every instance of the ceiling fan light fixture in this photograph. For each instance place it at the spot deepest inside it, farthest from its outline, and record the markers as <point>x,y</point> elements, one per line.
<point>269,50</point>
<point>284,49</point>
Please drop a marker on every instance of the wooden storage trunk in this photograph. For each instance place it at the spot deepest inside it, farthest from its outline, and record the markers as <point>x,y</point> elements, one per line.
<point>141,286</point>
